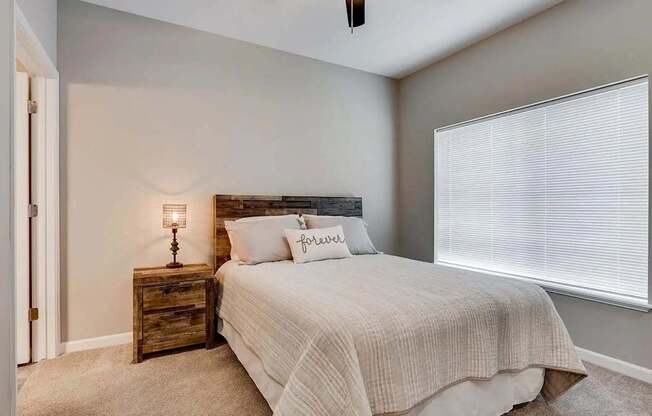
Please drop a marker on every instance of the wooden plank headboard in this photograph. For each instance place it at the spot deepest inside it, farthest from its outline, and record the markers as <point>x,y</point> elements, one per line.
<point>233,207</point>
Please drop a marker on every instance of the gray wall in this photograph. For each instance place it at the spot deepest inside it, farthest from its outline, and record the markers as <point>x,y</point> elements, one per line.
<point>575,45</point>
<point>42,17</point>
<point>152,112</point>
<point>7,361</point>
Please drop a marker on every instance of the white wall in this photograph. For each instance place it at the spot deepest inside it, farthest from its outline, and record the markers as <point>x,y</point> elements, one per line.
<point>7,69</point>
<point>570,47</point>
<point>152,112</point>
<point>42,17</point>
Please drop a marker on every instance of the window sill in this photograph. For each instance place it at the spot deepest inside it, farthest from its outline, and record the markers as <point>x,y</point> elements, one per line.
<point>560,289</point>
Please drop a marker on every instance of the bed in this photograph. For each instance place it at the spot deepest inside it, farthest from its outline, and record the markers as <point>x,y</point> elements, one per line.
<point>384,335</point>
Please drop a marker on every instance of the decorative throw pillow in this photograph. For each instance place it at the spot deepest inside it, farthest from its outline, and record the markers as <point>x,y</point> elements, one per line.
<point>317,244</point>
<point>262,239</point>
<point>355,231</point>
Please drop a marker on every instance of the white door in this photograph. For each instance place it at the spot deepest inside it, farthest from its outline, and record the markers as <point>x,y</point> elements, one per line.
<point>21,220</point>
<point>37,138</point>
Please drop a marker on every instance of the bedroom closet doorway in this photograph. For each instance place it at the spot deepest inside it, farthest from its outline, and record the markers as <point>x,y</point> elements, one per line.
<point>36,199</point>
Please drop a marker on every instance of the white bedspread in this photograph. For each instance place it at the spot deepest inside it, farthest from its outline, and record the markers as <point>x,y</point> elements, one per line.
<point>380,334</point>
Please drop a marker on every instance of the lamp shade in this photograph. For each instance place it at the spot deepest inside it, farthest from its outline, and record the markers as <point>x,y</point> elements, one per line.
<point>175,215</point>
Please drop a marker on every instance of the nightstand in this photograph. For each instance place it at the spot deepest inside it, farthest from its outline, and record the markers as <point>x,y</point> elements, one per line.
<point>173,308</point>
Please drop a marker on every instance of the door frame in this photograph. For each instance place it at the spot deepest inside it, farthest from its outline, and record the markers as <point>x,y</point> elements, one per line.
<point>21,226</point>
<point>46,331</point>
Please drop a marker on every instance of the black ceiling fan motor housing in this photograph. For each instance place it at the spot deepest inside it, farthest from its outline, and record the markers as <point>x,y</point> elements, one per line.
<point>358,12</point>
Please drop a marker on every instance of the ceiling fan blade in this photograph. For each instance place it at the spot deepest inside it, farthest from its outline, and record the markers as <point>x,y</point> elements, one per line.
<point>358,12</point>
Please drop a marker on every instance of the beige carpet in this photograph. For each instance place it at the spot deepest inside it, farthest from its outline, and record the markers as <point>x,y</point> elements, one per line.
<point>200,382</point>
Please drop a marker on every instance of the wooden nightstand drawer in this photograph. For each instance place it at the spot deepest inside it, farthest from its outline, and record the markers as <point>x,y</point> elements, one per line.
<point>173,295</point>
<point>170,344</point>
<point>170,325</point>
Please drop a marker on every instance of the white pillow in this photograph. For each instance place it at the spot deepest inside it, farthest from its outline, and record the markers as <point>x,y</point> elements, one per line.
<point>355,231</point>
<point>234,255</point>
<point>261,240</point>
<point>317,244</point>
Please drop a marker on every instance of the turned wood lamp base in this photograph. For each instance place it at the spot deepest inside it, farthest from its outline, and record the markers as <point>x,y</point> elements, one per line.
<point>174,248</point>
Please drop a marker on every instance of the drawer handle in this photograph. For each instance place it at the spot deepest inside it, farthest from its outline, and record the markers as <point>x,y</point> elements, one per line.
<point>174,314</point>
<point>179,288</point>
<point>183,312</point>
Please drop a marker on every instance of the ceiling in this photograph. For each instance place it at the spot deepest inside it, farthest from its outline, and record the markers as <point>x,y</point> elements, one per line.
<point>399,37</point>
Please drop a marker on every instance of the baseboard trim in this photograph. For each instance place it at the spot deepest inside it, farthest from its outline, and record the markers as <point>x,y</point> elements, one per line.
<point>614,364</point>
<point>99,342</point>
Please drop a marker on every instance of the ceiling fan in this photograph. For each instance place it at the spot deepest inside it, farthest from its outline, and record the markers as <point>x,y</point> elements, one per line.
<point>355,13</point>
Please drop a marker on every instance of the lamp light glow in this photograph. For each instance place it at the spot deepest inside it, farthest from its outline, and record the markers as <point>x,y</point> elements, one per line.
<point>175,215</point>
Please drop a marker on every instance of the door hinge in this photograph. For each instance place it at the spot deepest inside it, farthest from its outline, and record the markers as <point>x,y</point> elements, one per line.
<point>32,210</point>
<point>32,107</point>
<point>33,314</point>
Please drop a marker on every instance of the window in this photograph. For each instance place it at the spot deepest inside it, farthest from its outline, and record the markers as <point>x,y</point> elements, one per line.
<point>555,193</point>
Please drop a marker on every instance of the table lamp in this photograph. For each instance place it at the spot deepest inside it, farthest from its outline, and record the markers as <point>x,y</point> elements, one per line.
<point>174,217</point>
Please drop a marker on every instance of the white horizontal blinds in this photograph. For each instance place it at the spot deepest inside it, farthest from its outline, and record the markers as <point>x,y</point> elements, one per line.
<point>442,197</point>
<point>558,192</point>
<point>519,193</point>
<point>466,238</point>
